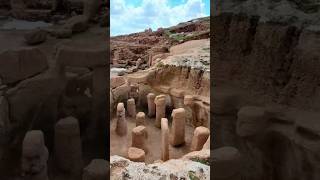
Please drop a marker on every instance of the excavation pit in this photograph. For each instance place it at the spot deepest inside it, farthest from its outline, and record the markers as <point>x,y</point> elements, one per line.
<point>119,145</point>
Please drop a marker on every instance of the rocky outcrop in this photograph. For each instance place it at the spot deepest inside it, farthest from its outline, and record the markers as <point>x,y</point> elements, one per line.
<point>150,45</point>
<point>172,169</point>
<point>126,54</point>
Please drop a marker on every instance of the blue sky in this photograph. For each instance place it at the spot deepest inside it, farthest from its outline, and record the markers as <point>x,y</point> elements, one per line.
<point>129,16</point>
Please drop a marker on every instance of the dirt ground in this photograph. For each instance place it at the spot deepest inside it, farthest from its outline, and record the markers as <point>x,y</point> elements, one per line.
<point>119,145</point>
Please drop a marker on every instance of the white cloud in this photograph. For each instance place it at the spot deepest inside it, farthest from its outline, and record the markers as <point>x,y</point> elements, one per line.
<point>153,14</point>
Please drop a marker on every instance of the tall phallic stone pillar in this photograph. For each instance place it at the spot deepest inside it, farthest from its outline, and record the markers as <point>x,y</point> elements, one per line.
<point>121,127</point>
<point>34,156</point>
<point>164,139</point>
<point>200,137</point>
<point>68,148</point>
<point>160,102</point>
<point>151,104</point>
<point>140,119</point>
<point>178,127</point>
<point>139,137</point>
<point>131,107</point>
<point>98,169</point>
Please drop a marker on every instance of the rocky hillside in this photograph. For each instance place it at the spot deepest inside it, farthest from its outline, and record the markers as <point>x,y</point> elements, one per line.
<point>126,50</point>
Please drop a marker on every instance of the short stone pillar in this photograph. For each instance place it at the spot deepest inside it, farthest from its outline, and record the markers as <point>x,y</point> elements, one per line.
<point>136,154</point>
<point>98,169</point>
<point>34,156</point>
<point>140,119</point>
<point>139,137</point>
<point>164,139</point>
<point>68,148</point>
<point>121,127</point>
<point>131,108</point>
<point>200,137</point>
<point>251,121</point>
<point>178,127</point>
<point>227,163</point>
<point>160,102</point>
<point>151,104</point>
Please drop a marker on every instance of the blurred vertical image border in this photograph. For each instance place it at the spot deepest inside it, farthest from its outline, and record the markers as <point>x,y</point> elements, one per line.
<point>54,77</point>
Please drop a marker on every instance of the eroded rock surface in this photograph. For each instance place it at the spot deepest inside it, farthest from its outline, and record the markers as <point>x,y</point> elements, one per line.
<point>121,168</point>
